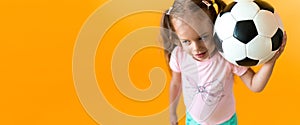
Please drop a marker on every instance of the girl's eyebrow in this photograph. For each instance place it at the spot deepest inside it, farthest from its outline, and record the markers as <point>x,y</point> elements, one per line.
<point>203,34</point>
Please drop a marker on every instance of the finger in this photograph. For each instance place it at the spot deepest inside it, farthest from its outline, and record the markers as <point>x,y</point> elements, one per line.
<point>283,43</point>
<point>284,38</point>
<point>285,35</point>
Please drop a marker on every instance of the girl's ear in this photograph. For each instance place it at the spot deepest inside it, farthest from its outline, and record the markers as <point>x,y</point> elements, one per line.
<point>177,42</point>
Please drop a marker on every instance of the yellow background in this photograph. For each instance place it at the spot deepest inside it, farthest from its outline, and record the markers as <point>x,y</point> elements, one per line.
<point>36,49</point>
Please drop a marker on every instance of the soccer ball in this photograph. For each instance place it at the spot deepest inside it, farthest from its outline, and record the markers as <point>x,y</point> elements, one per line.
<point>248,32</point>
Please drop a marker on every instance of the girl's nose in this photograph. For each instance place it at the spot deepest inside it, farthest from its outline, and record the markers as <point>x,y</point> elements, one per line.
<point>196,46</point>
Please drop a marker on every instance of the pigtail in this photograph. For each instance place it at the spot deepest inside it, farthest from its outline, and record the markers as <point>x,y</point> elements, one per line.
<point>211,7</point>
<point>221,5</point>
<point>167,35</point>
<point>216,7</point>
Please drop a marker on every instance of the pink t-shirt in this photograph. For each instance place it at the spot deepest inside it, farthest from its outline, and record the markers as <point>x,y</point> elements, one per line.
<point>207,86</point>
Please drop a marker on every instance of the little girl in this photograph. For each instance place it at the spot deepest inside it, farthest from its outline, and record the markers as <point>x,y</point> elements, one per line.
<point>198,70</point>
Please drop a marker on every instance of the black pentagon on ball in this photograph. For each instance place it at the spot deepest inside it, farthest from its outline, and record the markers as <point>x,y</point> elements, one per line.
<point>264,5</point>
<point>218,43</point>
<point>227,8</point>
<point>245,31</point>
<point>277,39</point>
<point>247,62</point>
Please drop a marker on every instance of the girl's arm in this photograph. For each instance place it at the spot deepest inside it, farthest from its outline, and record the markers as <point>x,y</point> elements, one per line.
<point>175,91</point>
<point>256,82</point>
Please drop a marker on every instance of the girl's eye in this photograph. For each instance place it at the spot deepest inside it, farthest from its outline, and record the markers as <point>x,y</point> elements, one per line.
<point>205,38</point>
<point>186,42</point>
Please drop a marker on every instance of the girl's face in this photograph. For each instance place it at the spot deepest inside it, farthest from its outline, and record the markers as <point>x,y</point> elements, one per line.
<point>195,38</point>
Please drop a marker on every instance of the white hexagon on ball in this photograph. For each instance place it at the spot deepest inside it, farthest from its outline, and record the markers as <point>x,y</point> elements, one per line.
<point>259,47</point>
<point>225,22</point>
<point>266,23</point>
<point>244,11</point>
<point>233,49</point>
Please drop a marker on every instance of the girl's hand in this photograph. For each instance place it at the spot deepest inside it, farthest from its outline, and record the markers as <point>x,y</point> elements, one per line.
<point>280,50</point>
<point>173,119</point>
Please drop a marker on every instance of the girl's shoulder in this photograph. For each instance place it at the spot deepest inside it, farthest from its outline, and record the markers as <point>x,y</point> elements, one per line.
<point>178,52</point>
<point>238,70</point>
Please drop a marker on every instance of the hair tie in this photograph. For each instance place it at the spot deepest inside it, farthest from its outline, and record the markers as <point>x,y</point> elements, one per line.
<point>214,4</point>
<point>169,11</point>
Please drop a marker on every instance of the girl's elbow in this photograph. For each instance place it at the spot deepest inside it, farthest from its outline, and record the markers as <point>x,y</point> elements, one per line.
<point>257,90</point>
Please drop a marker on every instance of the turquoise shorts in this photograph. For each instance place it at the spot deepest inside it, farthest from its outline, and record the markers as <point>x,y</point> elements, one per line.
<point>191,121</point>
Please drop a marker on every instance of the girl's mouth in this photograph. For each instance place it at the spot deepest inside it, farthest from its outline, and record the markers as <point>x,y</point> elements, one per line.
<point>200,55</point>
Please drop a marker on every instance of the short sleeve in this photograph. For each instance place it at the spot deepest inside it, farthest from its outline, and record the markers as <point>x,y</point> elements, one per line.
<point>174,60</point>
<point>239,70</point>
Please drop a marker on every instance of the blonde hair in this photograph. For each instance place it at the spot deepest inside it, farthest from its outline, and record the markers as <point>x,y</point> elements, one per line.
<point>181,8</point>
